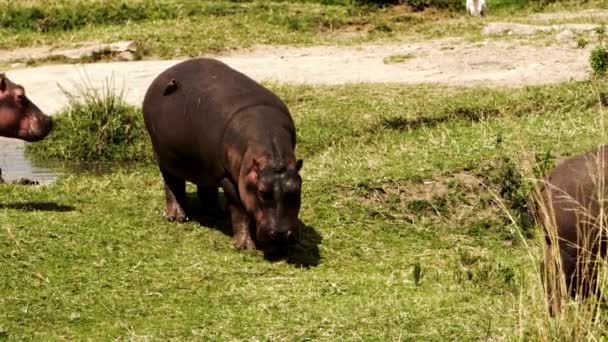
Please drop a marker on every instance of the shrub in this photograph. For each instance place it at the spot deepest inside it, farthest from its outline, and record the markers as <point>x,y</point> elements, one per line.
<point>599,60</point>
<point>98,125</point>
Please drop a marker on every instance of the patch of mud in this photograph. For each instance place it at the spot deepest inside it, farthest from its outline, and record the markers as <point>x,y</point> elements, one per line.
<point>15,165</point>
<point>460,198</point>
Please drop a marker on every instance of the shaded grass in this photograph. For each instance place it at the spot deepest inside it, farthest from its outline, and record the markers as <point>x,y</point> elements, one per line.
<point>415,242</point>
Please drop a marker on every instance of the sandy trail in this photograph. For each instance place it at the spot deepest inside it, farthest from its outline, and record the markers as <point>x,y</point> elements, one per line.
<point>447,61</point>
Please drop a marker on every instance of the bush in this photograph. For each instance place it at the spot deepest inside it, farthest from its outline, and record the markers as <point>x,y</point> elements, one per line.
<point>599,60</point>
<point>98,125</point>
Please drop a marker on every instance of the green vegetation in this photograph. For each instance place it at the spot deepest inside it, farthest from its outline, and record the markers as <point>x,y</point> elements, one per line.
<point>598,60</point>
<point>398,58</point>
<point>414,222</point>
<point>186,28</point>
<point>97,126</point>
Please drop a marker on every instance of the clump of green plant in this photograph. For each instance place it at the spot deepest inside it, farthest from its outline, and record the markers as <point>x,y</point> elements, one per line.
<point>98,125</point>
<point>398,58</point>
<point>581,42</point>
<point>598,60</point>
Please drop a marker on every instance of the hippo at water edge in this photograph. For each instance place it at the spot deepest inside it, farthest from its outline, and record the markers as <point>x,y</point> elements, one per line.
<point>572,208</point>
<point>213,126</point>
<point>19,117</point>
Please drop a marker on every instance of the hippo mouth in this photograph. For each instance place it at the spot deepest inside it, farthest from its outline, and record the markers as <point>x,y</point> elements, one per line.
<point>36,131</point>
<point>273,240</point>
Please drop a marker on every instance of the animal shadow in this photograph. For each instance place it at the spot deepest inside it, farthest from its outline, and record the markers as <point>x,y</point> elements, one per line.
<point>214,218</point>
<point>304,253</point>
<point>37,206</point>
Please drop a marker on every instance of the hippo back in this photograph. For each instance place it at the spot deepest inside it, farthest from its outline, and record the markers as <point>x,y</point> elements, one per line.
<point>188,107</point>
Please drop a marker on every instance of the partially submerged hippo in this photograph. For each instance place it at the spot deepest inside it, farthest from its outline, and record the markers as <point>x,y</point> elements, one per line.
<point>213,126</point>
<point>19,117</point>
<point>572,207</point>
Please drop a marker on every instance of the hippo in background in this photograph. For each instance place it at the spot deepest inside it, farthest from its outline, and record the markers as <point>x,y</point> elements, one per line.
<point>19,117</point>
<point>572,206</point>
<point>213,126</point>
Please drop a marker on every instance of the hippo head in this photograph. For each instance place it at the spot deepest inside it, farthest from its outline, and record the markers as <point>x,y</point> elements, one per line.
<point>20,118</point>
<point>273,199</point>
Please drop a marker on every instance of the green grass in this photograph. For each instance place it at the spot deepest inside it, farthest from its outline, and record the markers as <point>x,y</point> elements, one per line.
<point>407,238</point>
<point>398,58</point>
<point>175,28</point>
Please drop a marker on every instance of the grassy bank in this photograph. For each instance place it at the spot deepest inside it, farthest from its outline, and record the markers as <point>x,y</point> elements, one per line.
<point>176,28</point>
<point>411,200</point>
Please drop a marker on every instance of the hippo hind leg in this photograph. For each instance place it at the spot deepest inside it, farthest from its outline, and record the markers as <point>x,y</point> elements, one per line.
<point>209,197</point>
<point>175,197</point>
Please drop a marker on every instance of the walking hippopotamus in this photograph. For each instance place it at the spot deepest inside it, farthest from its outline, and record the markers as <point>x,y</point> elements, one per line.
<point>20,118</point>
<point>215,127</point>
<point>572,207</point>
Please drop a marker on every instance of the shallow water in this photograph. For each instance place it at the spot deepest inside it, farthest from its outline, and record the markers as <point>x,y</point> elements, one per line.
<point>15,165</point>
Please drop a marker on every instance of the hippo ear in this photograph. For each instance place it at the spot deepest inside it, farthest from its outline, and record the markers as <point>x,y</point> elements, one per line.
<point>299,163</point>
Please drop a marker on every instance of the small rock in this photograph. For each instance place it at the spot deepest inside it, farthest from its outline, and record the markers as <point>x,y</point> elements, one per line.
<point>565,36</point>
<point>127,56</point>
<point>123,46</point>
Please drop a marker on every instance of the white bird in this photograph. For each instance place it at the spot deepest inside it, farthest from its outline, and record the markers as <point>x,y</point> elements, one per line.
<point>477,7</point>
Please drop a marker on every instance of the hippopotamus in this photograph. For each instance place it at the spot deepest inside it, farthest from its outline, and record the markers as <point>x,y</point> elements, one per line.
<point>571,206</point>
<point>215,127</point>
<point>19,117</point>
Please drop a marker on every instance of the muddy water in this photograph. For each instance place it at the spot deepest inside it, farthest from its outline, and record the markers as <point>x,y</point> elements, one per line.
<point>15,165</point>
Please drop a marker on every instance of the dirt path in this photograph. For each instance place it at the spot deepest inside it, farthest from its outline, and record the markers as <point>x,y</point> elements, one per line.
<point>448,61</point>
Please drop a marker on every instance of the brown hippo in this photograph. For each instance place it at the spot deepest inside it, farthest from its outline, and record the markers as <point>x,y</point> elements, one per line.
<point>571,206</point>
<point>213,126</point>
<point>20,118</point>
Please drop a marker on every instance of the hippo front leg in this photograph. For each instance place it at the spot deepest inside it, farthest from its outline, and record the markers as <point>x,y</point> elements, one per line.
<point>241,234</point>
<point>175,197</point>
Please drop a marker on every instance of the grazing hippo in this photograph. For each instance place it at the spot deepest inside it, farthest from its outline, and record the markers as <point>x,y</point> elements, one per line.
<point>571,207</point>
<point>20,118</point>
<point>213,126</point>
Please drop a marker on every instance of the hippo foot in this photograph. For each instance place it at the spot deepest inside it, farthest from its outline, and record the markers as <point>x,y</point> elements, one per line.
<point>243,242</point>
<point>175,213</point>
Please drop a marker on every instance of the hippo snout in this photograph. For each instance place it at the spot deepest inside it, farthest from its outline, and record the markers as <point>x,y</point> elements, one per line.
<point>39,128</point>
<point>278,236</point>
